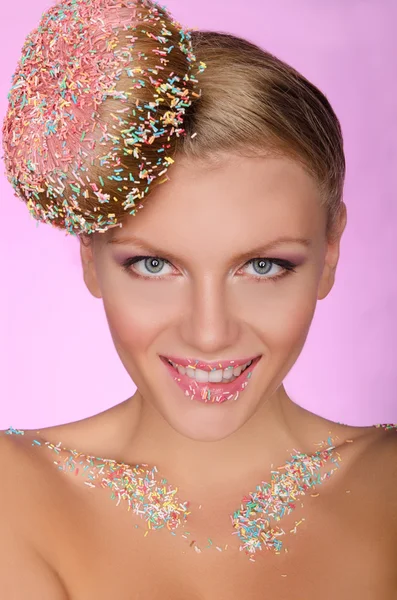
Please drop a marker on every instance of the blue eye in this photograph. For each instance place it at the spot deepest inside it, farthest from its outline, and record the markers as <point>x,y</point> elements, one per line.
<point>262,266</point>
<point>148,267</point>
<point>152,264</point>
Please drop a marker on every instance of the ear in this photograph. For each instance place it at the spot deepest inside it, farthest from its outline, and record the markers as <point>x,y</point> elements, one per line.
<point>332,256</point>
<point>88,264</point>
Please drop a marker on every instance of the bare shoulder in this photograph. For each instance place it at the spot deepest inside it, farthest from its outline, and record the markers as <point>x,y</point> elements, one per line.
<point>20,462</point>
<point>385,466</point>
<point>376,471</point>
<point>19,555</point>
<point>382,454</point>
<point>379,455</point>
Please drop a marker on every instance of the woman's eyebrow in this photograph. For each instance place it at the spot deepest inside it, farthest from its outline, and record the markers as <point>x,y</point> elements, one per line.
<point>258,250</point>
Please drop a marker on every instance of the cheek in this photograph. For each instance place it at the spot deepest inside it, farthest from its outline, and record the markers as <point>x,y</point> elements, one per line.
<point>131,326</point>
<point>281,313</point>
<point>137,312</point>
<point>293,326</point>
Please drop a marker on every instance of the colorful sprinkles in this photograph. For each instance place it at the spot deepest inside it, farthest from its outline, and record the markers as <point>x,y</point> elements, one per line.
<point>387,426</point>
<point>156,502</point>
<point>54,131</point>
<point>278,498</point>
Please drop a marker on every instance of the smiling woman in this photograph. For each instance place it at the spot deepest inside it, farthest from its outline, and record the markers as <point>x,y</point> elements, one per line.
<point>209,285</point>
<point>169,289</point>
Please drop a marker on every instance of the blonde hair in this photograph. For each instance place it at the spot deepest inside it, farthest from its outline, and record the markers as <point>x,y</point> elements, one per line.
<point>244,100</point>
<point>253,102</point>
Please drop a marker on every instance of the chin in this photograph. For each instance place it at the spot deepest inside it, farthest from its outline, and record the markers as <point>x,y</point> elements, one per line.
<point>203,411</point>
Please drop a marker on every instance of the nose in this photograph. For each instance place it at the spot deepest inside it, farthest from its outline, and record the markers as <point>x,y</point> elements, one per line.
<point>210,325</point>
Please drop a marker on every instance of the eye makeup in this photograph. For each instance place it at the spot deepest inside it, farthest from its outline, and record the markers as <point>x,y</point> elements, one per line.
<point>288,267</point>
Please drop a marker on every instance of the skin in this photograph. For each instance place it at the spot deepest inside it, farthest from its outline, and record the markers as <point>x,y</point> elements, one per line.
<point>206,305</point>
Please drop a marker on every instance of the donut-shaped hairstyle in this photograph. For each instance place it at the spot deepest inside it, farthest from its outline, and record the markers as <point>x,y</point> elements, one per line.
<point>97,103</point>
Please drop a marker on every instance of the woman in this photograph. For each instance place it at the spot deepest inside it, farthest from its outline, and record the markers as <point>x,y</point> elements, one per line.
<point>225,488</point>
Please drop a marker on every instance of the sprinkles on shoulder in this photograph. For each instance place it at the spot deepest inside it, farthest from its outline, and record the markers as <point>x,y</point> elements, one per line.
<point>155,501</point>
<point>87,60</point>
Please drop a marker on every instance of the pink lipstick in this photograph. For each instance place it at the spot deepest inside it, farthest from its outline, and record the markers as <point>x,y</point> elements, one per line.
<point>206,391</point>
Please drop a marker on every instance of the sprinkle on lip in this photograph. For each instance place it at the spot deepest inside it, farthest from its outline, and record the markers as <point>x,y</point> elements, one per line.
<point>211,392</point>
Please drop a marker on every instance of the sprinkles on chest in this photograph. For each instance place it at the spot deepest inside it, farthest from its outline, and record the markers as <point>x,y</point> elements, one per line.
<point>156,501</point>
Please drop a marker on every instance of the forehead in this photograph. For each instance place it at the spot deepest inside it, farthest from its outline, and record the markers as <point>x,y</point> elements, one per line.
<point>227,199</point>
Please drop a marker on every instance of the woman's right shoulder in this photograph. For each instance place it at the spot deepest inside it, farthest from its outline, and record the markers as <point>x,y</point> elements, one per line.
<point>13,455</point>
<point>10,438</point>
<point>25,469</point>
<point>24,572</point>
<point>16,455</point>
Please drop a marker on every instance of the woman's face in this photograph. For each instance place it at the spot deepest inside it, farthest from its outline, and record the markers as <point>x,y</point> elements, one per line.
<point>238,257</point>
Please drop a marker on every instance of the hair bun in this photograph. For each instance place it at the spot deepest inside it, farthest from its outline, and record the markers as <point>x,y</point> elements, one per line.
<point>97,100</point>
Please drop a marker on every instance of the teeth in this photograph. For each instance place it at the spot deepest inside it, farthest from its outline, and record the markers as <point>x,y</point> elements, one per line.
<point>181,370</point>
<point>190,372</point>
<point>217,376</point>
<point>228,374</point>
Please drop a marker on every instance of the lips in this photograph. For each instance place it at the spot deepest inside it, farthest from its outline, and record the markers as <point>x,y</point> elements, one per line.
<point>213,393</point>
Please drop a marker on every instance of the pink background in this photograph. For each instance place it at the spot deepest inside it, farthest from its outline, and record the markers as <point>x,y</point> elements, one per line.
<point>57,361</point>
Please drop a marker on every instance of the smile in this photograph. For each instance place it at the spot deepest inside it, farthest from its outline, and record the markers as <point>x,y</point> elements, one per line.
<point>215,376</point>
<point>214,385</point>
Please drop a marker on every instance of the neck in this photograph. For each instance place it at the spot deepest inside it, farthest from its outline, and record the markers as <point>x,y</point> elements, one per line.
<point>265,441</point>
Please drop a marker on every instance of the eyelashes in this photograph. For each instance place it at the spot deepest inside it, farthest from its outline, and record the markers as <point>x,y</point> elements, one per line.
<point>156,262</point>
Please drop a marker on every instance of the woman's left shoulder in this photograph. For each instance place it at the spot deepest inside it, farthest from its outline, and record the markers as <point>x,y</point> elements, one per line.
<point>381,458</point>
<point>375,464</point>
<point>386,427</point>
<point>387,438</point>
<point>384,448</point>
